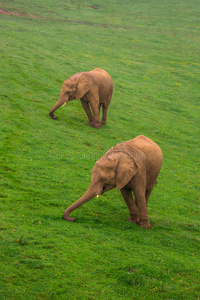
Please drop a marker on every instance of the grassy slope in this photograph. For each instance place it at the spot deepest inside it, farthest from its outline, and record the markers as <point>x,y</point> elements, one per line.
<point>151,51</point>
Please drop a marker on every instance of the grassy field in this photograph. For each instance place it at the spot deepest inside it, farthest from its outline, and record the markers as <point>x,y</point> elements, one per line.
<point>151,50</point>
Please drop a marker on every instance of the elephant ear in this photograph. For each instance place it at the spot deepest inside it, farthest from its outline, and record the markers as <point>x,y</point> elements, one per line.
<point>84,84</point>
<point>125,170</point>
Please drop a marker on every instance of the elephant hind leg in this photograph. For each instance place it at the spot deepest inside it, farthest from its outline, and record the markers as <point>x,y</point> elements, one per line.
<point>133,210</point>
<point>148,193</point>
<point>100,104</point>
<point>104,117</point>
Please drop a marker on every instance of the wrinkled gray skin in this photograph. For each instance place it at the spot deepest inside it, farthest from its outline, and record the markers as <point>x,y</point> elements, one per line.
<point>93,88</point>
<point>132,166</point>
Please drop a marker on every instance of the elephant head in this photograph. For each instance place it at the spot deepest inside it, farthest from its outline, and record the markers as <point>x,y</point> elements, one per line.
<point>74,87</point>
<point>114,169</point>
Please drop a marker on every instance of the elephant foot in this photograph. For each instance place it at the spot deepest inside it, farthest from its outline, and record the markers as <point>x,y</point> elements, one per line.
<point>91,123</point>
<point>94,125</point>
<point>53,116</point>
<point>97,126</point>
<point>134,220</point>
<point>145,225</point>
<point>103,122</point>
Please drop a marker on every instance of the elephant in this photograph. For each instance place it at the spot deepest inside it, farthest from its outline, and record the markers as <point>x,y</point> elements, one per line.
<point>93,88</point>
<point>133,167</point>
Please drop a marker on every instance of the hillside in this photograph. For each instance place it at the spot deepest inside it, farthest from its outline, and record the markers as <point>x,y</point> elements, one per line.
<point>151,50</point>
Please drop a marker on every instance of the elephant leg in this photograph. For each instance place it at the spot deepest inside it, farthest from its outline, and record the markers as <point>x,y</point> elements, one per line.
<point>104,117</point>
<point>100,104</point>
<point>148,193</point>
<point>86,107</point>
<point>133,210</point>
<point>96,111</point>
<point>140,200</point>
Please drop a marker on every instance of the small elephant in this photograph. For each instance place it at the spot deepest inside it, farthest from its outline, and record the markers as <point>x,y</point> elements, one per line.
<point>130,166</point>
<point>94,88</point>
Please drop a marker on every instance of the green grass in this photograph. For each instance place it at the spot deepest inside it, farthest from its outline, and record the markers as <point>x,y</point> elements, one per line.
<point>151,50</point>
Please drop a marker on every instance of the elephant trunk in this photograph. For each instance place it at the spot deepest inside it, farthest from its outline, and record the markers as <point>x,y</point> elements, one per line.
<point>89,194</point>
<point>61,101</point>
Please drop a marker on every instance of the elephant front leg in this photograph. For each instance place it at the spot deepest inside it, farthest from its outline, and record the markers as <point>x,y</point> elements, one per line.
<point>140,199</point>
<point>86,107</point>
<point>96,111</point>
<point>133,210</point>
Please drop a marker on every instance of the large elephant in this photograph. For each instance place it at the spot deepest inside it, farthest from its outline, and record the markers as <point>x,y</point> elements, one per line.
<point>130,166</point>
<point>93,88</point>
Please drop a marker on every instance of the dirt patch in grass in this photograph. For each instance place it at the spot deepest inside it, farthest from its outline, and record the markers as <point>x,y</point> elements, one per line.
<point>5,12</point>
